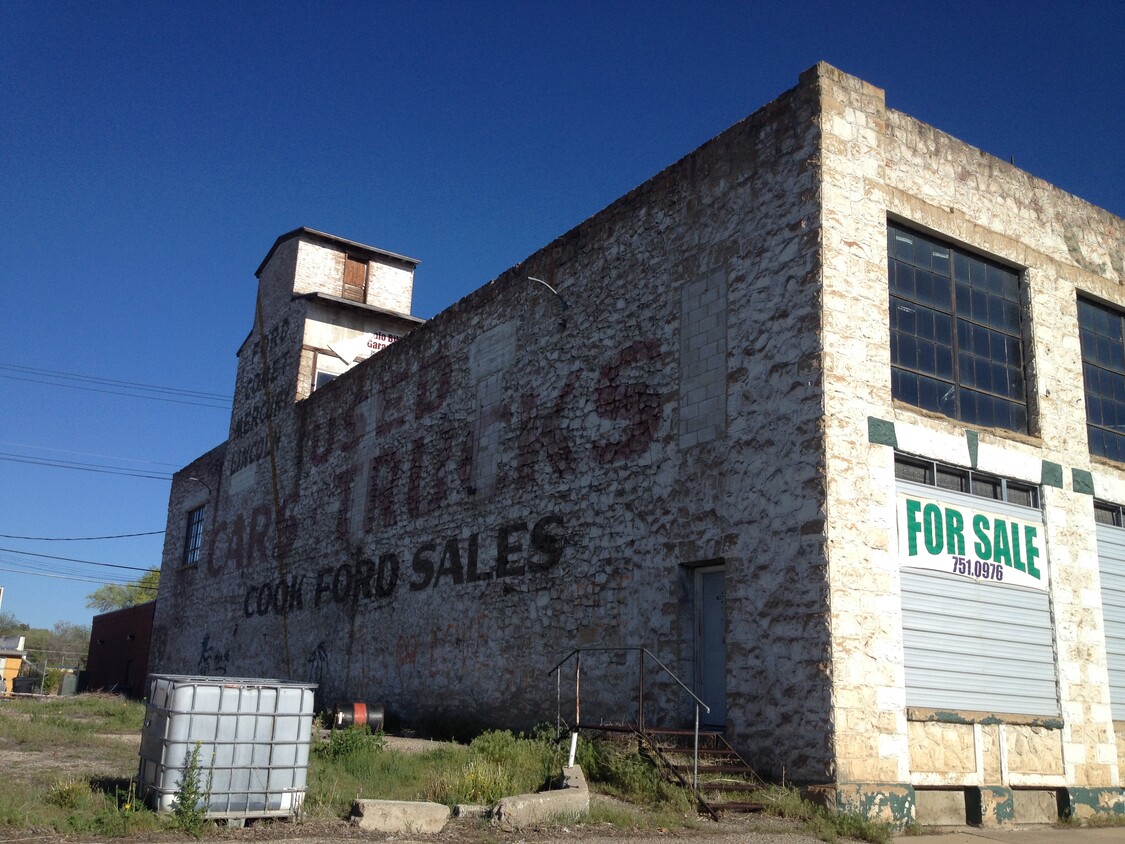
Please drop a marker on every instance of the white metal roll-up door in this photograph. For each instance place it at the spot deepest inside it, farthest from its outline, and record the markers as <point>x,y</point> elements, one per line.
<point>1111,560</point>
<point>975,644</point>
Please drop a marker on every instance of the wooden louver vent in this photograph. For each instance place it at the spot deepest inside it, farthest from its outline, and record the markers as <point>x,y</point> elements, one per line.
<point>355,280</point>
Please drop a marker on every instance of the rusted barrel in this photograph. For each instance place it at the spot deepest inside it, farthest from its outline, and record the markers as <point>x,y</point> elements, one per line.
<point>358,714</point>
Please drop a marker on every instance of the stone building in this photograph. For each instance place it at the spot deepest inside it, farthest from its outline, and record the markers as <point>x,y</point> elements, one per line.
<point>826,415</point>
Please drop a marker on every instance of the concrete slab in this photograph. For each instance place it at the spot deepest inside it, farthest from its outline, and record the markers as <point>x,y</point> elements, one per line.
<point>940,808</point>
<point>1019,835</point>
<point>471,810</point>
<point>1037,806</point>
<point>524,810</point>
<point>399,816</point>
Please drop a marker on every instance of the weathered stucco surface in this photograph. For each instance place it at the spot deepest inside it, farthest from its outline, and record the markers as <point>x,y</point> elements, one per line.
<point>441,525</point>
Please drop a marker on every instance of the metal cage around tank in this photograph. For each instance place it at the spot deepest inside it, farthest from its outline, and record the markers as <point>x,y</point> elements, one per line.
<point>250,739</point>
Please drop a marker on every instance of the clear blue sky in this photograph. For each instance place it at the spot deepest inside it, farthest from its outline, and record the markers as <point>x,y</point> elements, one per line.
<point>150,153</point>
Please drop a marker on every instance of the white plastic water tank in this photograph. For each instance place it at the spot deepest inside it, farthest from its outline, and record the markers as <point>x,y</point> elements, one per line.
<point>253,737</point>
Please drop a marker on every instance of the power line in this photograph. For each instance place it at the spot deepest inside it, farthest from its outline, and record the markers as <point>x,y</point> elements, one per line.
<point>129,385</point>
<point>117,392</point>
<point>30,565</point>
<point>90,454</point>
<point>85,467</point>
<point>76,560</point>
<point>72,577</point>
<point>78,538</point>
<point>63,574</point>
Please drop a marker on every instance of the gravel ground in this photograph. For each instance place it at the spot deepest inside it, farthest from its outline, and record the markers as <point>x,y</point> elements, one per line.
<point>753,829</point>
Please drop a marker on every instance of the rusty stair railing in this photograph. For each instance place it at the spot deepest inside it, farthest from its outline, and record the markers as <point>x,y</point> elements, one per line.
<point>643,653</point>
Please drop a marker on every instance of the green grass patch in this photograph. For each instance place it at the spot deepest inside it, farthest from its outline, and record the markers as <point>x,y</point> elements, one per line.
<point>786,802</point>
<point>605,809</point>
<point>352,764</point>
<point>68,721</point>
<point>77,805</point>
<point>1103,819</point>
<point>50,747</point>
<point>614,767</point>
<point>77,734</point>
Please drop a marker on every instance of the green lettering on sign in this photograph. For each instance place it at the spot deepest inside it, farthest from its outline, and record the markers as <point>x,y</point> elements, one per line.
<point>932,521</point>
<point>1017,560</point>
<point>934,536</point>
<point>955,531</point>
<point>1001,552</point>
<point>913,526</point>
<point>1029,534</point>
<point>983,545</point>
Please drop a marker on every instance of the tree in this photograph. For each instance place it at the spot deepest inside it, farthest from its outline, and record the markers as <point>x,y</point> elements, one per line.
<point>11,626</point>
<point>69,643</point>
<point>115,596</point>
<point>63,646</point>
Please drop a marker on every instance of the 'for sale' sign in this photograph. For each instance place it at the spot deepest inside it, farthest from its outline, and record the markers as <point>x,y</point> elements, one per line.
<point>968,542</point>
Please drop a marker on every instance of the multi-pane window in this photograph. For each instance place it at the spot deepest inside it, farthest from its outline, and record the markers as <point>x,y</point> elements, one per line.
<point>969,481</point>
<point>1106,513</point>
<point>1103,371</point>
<point>193,541</point>
<point>956,337</point>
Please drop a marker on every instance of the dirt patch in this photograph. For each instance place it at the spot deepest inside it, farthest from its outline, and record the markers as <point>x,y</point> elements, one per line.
<point>406,744</point>
<point>55,763</point>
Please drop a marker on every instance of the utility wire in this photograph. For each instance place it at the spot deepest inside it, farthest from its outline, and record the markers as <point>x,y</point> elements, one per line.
<point>67,568</point>
<point>85,467</point>
<point>78,538</point>
<point>70,577</point>
<point>118,392</point>
<point>129,385</point>
<point>90,454</point>
<point>76,560</point>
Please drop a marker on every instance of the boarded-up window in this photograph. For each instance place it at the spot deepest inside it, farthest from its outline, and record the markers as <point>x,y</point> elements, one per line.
<point>975,635</point>
<point>1111,559</point>
<point>355,279</point>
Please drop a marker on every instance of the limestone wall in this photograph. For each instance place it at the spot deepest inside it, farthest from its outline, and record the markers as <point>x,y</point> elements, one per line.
<point>878,164</point>
<point>438,527</point>
<point>445,522</point>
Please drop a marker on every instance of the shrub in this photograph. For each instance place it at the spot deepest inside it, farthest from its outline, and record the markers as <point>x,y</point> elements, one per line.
<point>68,793</point>
<point>477,781</point>
<point>618,770</point>
<point>349,742</point>
<point>189,808</point>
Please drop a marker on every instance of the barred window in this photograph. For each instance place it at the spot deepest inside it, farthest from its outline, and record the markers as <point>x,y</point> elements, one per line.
<point>193,542</point>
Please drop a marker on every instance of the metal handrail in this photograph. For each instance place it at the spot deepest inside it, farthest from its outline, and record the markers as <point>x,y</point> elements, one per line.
<point>577,655</point>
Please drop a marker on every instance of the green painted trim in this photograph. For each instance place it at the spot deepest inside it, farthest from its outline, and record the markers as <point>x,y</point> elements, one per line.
<point>894,803</point>
<point>1082,481</point>
<point>881,432</point>
<point>947,716</point>
<point>1052,474</point>
<point>990,806</point>
<point>972,439</point>
<point>1086,802</point>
